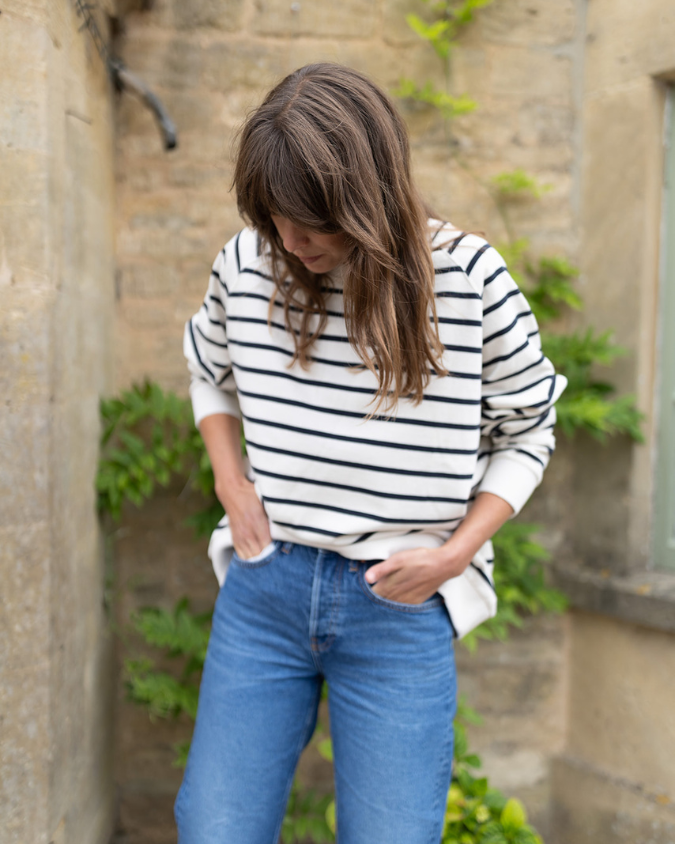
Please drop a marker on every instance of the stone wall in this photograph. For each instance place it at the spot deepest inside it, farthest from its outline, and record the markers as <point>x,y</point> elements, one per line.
<point>212,62</point>
<point>614,781</point>
<point>56,286</point>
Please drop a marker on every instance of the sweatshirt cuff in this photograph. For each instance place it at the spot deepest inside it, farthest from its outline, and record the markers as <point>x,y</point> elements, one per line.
<point>207,400</point>
<point>510,479</point>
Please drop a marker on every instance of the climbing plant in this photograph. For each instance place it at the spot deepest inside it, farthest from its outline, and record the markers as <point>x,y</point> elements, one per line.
<point>548,281</point>
<point>149,437</point>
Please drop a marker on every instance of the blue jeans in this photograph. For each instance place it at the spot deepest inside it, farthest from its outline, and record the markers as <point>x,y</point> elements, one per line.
<point>280,626</point>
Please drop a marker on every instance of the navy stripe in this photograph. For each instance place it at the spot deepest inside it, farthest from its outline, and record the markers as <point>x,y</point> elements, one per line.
<point>365,466</point>
<point>236,252</point>
<point>508,327</point>
<point>360,490</point>
<point>501,302</point>
<point>370,516</point>
<point>471,349</point>
<point>257,272</point>
<point>454,295</point>
<point>476,257</point>
<point>212,321</point>
<point>506,357</point>
<point>531,456</point>
<point>217,275</point>
<point>486,399</point>
<point>442,270</point>
<point>494,276</point>
<point>513,374</point>
<point>354,415</point>
<point>288,353</point>
<point>224,377</point>
<point>454,246</point>
<point>333,337</point>
<point>199,359</point>
<point>483,575</point>
<point>359,440</point>
<point>209,340</point>
<point>347,388</point>
<point>450,321</point>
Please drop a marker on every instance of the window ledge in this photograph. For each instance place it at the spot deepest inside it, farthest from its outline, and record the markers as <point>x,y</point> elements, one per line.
<point>646,597</point>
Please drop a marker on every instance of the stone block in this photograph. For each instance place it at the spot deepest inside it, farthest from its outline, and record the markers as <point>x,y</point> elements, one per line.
<point>631,43</point>
<point>351,19</point>
<point>622,684</point>
<point>594,806</point>
<point>617,263</point>
<point>24,766</point>
<point>212,14</point>
<point>24,480</point>
<point>164,62</point>
<point>24,53</point>
<point>148,281</point>
<point>25,246</point>
<point>24,601</point>
<point>531,74</point>
<point>24,348</point>
<point>254,64</point>
<point>528,22</point>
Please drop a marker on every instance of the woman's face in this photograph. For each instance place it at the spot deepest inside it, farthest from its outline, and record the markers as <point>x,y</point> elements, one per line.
<point>320,253</point>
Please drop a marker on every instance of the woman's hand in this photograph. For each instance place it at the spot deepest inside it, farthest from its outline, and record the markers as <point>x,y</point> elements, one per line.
<point>248,521</point>
<point>412,576</point>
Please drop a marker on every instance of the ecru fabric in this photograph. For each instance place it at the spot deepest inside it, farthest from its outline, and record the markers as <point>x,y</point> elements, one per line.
<point>366,489</point>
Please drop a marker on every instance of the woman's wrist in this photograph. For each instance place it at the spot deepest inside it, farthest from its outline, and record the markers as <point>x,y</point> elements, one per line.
<point>229,487</point>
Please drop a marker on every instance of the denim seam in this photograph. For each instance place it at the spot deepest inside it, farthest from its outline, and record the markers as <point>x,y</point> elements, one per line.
<point>412,609</point>
<point>304,738</point>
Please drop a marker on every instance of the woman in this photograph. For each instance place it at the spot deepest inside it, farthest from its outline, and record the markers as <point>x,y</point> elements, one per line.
<point>397,410</point>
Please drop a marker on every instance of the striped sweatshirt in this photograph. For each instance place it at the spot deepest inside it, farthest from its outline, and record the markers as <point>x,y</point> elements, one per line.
<point>366,489</point>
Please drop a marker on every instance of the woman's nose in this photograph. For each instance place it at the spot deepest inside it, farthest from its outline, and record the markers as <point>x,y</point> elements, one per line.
<point>294,238</point>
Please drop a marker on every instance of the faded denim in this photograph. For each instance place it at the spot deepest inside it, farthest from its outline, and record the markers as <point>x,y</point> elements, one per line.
<point>281,624</point>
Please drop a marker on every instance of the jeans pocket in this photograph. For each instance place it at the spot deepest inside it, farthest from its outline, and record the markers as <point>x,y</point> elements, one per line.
<point>268,553</point>
<point>431,603</point>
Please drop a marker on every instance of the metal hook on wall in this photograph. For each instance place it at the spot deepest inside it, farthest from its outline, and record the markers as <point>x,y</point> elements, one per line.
<point>124,79</point>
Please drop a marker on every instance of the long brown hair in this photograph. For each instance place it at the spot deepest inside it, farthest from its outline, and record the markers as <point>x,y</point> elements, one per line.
<point>328,151</point>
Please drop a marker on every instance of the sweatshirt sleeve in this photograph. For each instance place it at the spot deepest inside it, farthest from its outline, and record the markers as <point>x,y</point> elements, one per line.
<point>519,389</point>
<point>212,385</point>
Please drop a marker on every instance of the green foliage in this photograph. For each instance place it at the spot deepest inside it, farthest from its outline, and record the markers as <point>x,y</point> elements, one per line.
<point>429,94</point>
<point>587,403</point>
<point>308,816</point>
<point>450,17</point>
<point>184,637</point>
<point>520,582</point>
<point>148,437</point>
<point>517,184</point>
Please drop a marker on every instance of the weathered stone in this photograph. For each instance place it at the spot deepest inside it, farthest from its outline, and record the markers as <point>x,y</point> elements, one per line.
<point>207,13</point>
<point>24,768</point>
<point>628,44</point>
<point>24,601</point>
<point>164,62</point>
<point>351,19</point>
<point>591,804</point>
<point>529,22</point>
<point>630,665</point>
<point>518,71</point>
<point>256,64</point>
<point>23,93</point>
